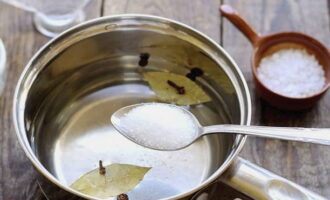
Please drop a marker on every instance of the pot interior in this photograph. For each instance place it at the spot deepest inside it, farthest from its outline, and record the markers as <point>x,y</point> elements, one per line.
<point>73,90</point>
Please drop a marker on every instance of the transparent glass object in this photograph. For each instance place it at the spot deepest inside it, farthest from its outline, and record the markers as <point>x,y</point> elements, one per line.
<point>52,17</point>
<point>3,70</point>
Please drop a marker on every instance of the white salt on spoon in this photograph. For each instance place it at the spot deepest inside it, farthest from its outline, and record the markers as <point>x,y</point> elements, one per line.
<point>168,127</point>
<point>157,125</point>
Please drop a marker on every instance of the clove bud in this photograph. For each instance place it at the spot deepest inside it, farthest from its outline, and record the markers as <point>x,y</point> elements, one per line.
<point>102,170</point>
<point>180,89</point>
<point>122,197</point>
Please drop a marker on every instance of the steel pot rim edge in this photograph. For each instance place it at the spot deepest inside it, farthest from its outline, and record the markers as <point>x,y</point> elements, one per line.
<point>20,129</point>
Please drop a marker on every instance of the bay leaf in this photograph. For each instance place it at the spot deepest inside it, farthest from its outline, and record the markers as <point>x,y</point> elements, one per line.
<point>118,179</point>
<point>193,93</point>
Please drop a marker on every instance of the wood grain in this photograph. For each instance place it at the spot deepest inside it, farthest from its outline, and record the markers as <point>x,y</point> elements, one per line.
<point>17,176</point>
<point>201,14</point>
<point>306,164</point>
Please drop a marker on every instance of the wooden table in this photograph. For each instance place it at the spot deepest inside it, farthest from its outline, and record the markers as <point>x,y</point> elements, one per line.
<point>305,164</point>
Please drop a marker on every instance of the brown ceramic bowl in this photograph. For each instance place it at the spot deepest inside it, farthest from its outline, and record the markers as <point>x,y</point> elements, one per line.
<point>267,45</point>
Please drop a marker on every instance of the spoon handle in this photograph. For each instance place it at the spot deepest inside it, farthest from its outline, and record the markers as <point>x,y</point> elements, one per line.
<point>312,135</point>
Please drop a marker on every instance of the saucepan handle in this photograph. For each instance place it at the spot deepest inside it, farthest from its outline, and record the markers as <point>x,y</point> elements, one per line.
<point>261,184</point>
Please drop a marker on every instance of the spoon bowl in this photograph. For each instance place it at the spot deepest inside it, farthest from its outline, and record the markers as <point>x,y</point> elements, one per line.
<point>124,129</point>
<point>312,135</point>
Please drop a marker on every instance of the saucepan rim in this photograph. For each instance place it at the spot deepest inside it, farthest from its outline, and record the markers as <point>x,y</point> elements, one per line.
<point>24,85</point>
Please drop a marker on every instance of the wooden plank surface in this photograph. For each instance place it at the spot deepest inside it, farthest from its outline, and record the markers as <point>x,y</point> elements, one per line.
<point>305,164</point>
<point>17,176</point>
<point>16,173</point>
<point>201,14</point>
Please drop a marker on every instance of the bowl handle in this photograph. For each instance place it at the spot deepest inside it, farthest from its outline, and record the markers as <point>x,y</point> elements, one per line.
<point>259,183</point>
<point>232,15</point>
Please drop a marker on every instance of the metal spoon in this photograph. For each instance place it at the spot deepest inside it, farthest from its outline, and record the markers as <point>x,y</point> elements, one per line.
<point>312,135</point>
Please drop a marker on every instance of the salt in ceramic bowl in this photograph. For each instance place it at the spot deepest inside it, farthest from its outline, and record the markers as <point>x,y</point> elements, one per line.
<point>265,45</point>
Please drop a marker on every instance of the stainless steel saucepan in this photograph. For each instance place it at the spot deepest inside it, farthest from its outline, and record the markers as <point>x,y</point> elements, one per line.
<point>70,88</point>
